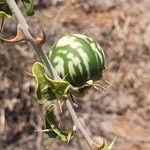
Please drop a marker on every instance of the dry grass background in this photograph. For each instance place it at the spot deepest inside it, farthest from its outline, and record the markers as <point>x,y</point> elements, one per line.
<point>123,30</point>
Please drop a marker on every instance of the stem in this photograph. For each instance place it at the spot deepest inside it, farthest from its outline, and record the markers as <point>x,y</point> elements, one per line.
<point>25,28</point>
<point>78,123</point>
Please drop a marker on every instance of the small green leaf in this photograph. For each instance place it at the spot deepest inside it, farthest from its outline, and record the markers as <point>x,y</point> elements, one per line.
<point>43,91</point>
<point>28,5</point>
<point>60,87</point>
<point>5,11</point>
<point>48,89</point>
<point>54,130</point>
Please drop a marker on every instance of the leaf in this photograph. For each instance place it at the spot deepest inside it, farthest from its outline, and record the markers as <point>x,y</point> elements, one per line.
<point>48,89</point>
<point>28,5</point>
<point>5,11</point>
<point>60,87</point>
<point>43,91</point>
<point>54,130</point>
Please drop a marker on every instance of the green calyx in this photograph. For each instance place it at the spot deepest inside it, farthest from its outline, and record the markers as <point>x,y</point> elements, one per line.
<point>77,59</point>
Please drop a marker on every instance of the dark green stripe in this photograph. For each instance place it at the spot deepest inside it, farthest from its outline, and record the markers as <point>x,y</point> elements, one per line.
<point>102,53</point>
<point>87,49</point>
<point>96,63</point>
<point>79,77</point>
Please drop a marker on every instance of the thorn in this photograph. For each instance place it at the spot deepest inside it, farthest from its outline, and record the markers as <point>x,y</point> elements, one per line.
<point>97,89</point>
<point>109,83</point>
<point>112,143</point>
<point>60,105</point>
<point>65,76</point>
<point>19,37</point>
<point>76,105</point>
<point>2,24</point>
<point>29,74</point>
<point>100,87</point>
<point>41,40</point>
<point>45,130</point>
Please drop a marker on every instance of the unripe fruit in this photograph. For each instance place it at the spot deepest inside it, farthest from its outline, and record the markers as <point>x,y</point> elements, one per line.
<point>77,59</point>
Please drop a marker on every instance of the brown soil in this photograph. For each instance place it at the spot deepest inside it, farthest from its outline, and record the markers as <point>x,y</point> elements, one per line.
<point>123,111</point>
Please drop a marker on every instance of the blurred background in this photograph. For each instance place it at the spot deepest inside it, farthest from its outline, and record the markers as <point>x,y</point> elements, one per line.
<point>122,27</point>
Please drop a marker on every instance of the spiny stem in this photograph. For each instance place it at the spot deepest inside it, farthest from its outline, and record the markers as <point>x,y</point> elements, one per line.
<point>25,28</point>
<point>78,123</point>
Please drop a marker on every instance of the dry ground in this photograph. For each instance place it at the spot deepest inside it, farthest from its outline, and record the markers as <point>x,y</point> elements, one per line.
<point>123,30</point>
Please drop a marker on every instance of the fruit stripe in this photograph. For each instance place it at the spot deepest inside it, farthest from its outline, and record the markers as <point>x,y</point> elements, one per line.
<point>95,46</point>
<point>67,71</point>
<point>78,59</point>
<point>91,61</point>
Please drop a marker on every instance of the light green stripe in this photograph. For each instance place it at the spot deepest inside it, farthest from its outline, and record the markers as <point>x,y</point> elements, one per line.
<point>76,54</point>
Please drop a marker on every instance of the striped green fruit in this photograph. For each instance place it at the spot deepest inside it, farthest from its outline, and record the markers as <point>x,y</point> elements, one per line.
<point>77,59</point>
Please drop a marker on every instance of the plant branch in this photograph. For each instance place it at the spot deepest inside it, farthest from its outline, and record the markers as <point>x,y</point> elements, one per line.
<point>28,33</point>
<point>78,124</point>
<point>26,30</point>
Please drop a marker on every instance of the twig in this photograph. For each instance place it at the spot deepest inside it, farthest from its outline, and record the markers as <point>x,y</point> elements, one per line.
<point>28,33</point>
<point>78,124</point>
